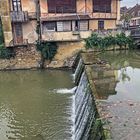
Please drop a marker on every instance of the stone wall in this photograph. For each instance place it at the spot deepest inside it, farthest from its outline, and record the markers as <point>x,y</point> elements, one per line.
<point>66,54</point>
<point>26,58</point>
<point>29,58</point>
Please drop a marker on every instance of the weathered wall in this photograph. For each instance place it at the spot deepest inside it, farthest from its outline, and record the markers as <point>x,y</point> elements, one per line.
<point>65,54</point>
<point>29,5</point>
<point>29,31</point>
<point>108,24</point>
<point>26,58</point>
<point>6,21</point>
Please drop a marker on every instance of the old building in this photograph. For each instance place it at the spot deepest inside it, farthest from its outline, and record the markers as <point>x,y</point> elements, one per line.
<point>134,13</point>
<point>19,21</point>
<point>67,20</point>
<point>60,20</point>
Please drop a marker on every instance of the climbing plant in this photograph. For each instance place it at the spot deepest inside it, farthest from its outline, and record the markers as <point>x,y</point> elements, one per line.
<point>47,49</point>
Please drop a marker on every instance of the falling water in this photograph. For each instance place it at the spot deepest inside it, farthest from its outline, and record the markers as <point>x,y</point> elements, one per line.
<point>84,111</point>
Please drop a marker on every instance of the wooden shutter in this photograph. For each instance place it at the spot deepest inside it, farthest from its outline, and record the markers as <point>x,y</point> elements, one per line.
<point>83,25</point>
<point>61,6</point>
<point>59,26</point>
<point>102,6</point>
<point>67,26</point>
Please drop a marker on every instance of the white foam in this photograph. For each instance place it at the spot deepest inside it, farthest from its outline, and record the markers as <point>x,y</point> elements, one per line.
<point>65,90</point>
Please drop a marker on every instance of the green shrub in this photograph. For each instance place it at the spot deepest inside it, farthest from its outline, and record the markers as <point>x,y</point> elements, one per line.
<point>48,50</point>
<point>6,53</point>
<point>105,42</point>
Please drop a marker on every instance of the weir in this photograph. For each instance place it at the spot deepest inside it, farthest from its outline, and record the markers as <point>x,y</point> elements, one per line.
<point>107,100</point>
<point>86,114</point>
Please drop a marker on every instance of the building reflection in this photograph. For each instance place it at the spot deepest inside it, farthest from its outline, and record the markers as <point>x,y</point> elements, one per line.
<point>106,76</point>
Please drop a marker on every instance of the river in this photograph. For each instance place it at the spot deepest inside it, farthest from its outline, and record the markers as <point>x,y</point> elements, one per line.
<point>31,108</point>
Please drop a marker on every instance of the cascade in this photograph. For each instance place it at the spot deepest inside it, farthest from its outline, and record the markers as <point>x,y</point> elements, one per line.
<point>84,110</point>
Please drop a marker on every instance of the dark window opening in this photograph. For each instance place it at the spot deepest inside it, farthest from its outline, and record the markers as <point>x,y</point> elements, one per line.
<point>18,35</point>
<point>49,26</point>
<point>16,5</point>
<point>102,6</point>
<point>101,25</point>
<point>60,6</point>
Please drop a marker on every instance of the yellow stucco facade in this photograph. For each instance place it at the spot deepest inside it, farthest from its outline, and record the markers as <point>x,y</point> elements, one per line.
<point>29,25</point>
<point>6,21</point>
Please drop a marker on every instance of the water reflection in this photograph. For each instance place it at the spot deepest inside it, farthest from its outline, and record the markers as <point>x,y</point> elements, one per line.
<point>118,79</point>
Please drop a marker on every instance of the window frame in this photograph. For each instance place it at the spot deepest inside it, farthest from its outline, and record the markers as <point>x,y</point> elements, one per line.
<point>60,8</point>
<point>101,8</point>
<point>17,6</point>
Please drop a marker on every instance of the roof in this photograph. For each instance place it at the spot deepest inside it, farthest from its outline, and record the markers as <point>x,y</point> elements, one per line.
<point>134,11</point>
<point>66,18</point>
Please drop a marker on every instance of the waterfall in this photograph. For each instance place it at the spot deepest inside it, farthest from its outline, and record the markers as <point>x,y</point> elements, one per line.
<point>78,71</point>
<point>84,111</point>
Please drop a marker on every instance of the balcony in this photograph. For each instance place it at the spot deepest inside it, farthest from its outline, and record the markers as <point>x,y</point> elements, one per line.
<point>15,42</point>
<point>20,16</point>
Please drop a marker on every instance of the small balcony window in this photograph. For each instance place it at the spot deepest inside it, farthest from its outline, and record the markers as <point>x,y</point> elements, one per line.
<point>49,26</point>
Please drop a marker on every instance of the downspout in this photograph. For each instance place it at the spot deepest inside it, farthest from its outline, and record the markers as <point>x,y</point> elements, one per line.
<point>85,6</point>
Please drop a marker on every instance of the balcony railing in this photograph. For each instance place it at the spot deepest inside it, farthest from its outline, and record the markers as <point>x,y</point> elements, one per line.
<point>19,16</point>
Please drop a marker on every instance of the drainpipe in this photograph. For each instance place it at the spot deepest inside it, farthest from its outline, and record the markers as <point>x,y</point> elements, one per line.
<point>85,6</point>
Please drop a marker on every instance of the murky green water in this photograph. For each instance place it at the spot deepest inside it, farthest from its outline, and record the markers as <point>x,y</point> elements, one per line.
<point>30,110</point>
<point>123,81</point>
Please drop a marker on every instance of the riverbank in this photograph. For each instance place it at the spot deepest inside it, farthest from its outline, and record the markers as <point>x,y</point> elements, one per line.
<point>29,58</point>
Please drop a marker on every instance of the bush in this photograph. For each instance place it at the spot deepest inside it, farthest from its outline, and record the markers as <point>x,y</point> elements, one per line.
<point>105,42</point>
<point>6,53</point>
<point>48,50</point>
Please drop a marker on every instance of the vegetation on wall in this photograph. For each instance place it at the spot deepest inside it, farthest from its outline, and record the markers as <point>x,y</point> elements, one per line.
<point>47,50</point>
<point>103,43</point>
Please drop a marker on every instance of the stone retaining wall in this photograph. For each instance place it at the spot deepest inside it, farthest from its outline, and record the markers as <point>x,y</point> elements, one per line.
<point>25,58</point>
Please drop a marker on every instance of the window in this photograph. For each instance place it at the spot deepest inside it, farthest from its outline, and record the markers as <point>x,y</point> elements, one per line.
<point>49,26</point>
<point>16,5</point>
<point>64,26</point>
<point>83,25</point>
<point>101,25</point>
<point>60,6</point>
<point>103,6</point>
